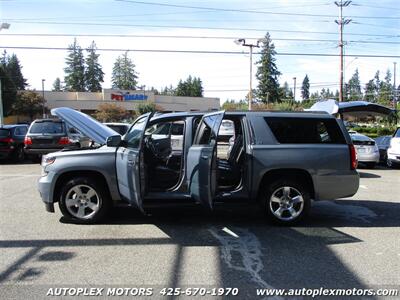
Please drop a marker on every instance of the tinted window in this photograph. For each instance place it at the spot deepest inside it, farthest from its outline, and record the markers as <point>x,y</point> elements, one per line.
<point>4,133</point>
<point>397,133</point>
<point>135,134</point>
<point>47,127</point>
<point>305,131</point>
<point>20,131</point>
<point>121,129</point>
<point>177,129</point>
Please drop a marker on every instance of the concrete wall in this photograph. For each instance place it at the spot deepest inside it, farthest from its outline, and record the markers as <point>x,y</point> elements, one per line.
<point>91,101</point>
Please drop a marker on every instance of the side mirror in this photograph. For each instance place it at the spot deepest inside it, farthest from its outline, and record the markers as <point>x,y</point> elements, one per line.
<point>113,141</point>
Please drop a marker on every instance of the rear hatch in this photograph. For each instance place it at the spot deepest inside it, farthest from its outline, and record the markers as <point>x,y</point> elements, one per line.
<point>47,134</point>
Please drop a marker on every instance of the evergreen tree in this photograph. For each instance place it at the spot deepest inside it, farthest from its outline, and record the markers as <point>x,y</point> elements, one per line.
<point>386,89</point>
<point>94,74</point>
<point>191,87</point>
<point>75,69</point>
<point>354,87</point>
<point>13,68</point>
<point>369,94</point>
<point>305,88</point>
<point>267,73</point>
<point>124,76</point>
<point>8,90</point>
<point>57,85</point>
<point>377,84</point>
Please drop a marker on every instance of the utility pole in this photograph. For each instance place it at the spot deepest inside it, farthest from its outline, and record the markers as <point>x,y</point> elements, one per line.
<point>251,46</point>
<point>294,90</point>
<point>2,26</point>
<point>394,86</point>
<point>341,22</point>
<point>44,101</point>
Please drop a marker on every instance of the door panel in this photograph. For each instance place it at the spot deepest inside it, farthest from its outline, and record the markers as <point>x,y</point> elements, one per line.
<point>130,164</point>
<point>201,160</point>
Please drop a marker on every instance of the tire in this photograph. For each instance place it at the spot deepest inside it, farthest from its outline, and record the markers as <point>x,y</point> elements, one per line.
<point>370,165</point>
<point>19,154</point>
<point>391,164</point>
<point>83,200</point>
<point>291,211</point>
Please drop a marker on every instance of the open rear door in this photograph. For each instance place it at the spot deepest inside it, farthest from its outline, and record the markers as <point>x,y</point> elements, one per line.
<point>130,164</point>
<point>202,160</point>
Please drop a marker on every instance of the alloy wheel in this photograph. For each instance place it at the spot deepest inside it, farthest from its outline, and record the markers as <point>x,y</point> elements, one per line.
<point>286,203</point>
<point>82,201</point>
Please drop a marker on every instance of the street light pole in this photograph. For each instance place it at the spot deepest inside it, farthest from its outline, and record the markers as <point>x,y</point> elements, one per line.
<point>251,46</point>
<point>44,101</point>
<point>294,90</point>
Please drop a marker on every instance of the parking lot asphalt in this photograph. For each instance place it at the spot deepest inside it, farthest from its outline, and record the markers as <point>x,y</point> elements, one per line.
<point>349,243</point>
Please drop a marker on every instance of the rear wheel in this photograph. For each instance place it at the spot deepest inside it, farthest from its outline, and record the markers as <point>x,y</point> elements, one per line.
<point>391,164</point>
<point>19,154</point>
<point>286,201</point>
<point>83,200</point>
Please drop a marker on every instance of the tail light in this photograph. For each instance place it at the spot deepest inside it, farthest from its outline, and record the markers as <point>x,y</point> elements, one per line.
<point>7,140</point>
<point>27,140</point>
<point>353,157</point>
<point>64,141</point>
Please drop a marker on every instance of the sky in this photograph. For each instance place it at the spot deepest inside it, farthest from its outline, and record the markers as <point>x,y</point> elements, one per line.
<point>213,26</point>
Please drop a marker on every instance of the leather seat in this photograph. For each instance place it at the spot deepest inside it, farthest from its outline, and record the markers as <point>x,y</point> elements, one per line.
<point>229,170</point>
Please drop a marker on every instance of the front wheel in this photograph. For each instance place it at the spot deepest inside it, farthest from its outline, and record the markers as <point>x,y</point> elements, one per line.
<point>286,201</point>
<point>84,200</point>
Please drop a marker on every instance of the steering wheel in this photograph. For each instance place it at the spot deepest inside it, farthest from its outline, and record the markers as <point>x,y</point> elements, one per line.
<point>150,144</point>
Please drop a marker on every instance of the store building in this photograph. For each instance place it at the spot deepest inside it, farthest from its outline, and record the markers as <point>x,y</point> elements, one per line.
<point>89,102</point>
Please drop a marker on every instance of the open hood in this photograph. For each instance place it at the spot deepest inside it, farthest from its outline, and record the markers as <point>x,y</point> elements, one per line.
<point>90,127</point>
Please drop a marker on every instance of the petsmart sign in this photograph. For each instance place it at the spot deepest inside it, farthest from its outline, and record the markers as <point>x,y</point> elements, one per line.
<point>128,97</point>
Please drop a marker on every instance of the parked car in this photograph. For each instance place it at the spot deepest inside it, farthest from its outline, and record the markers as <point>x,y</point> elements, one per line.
<point>50,135</point>
<point>367,150</point>
<point>383,143</point>
<point>12,141</point>
<point>120,128</point>
<point>393,152</point>
<point>279,160</point>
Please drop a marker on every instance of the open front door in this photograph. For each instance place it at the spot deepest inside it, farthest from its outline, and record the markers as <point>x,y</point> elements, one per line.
<point>202,160</point>
<point>130,164</point>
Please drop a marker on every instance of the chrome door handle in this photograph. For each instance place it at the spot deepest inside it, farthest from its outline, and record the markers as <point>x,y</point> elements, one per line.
<point>204,156</point>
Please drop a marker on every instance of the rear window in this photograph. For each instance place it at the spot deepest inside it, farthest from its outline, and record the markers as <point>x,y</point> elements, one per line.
<point>47,127</point>
<point>305,131</point>
<point>4,133</point>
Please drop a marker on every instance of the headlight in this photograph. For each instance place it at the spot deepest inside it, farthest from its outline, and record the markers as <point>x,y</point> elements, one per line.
<point>47,160</point>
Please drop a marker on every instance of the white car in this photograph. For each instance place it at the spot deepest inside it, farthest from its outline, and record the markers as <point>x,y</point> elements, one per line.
<point>367,150</point>
<point>393,152</point>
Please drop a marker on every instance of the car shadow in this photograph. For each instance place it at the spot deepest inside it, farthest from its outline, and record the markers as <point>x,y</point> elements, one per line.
<point>368,175</point>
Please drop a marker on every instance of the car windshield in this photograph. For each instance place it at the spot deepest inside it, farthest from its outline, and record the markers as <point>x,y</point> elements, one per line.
<point>397,134</point>
<point>4,133</point>
<point>47,127</point>
<point>359,137</point>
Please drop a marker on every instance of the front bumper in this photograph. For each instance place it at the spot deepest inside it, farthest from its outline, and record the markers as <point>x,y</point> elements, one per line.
<point>394,157</point>
<point>46,189</point>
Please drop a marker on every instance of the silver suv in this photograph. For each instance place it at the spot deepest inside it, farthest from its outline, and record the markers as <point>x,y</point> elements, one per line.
<point>281,161</point>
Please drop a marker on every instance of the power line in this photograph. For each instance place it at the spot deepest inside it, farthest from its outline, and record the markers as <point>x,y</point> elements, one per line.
<point>249,11</point>
<point>187,37</point>
<point>208,28</point>
<point>199,51</point>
